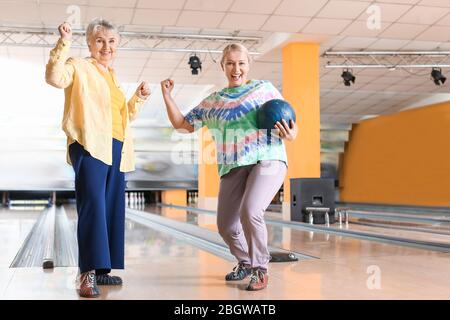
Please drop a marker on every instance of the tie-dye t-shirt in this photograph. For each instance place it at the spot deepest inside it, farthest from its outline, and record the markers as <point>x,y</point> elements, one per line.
<point>231,118</point>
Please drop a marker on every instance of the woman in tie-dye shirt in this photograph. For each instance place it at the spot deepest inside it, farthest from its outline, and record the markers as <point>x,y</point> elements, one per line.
<point>252,163</point>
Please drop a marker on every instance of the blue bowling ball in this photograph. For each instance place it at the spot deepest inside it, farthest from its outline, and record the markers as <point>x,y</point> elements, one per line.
<point>275,110</point>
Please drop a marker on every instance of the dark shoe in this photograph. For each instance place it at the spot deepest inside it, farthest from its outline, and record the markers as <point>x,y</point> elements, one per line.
<point>258,280</point>
<point>88,285</point>
<point>240,272</point>
<point>107,280</point>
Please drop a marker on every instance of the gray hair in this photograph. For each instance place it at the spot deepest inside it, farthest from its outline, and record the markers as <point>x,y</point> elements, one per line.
<point>98,23</point>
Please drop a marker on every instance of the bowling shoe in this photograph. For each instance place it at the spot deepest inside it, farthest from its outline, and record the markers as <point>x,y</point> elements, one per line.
<point>88,285</point>
<point>239,272</point>
<point>107,280</point>
<point>258,280</point>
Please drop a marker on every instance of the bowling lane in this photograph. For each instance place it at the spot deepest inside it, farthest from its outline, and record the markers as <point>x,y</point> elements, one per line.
<point>158,266</point>
<point>436,232</point>
<point>278,231</point>
<point>161,266</point>
<point>14,228</point>
<point>395,221</point>
<point>413,234</point>
<point>342,260</point>
<point>345,259</point>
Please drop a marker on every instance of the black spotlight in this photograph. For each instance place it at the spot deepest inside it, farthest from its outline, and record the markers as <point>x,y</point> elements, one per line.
<point>195,64</point>
<point>348,77</point>
<point>437,76</point>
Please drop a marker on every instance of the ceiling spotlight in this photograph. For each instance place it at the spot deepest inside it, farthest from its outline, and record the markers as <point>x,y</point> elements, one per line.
<point>348,77</point>
<point>195,64</point>
<point>437,76</point>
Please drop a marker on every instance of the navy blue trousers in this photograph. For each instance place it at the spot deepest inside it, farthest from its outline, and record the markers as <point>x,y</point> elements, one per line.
<point>100,195</point>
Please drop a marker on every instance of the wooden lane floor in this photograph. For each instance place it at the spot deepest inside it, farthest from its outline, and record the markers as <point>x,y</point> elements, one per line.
<point>360,257</point>
<point>273,218</point>
<point>310,242</point>
<point>14,228</point>
<point>160,266</point>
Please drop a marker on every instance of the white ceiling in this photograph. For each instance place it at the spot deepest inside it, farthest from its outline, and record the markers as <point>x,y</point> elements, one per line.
<point>335,24</point>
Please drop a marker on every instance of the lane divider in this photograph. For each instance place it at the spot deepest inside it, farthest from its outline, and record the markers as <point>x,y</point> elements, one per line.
<point>429,245</point>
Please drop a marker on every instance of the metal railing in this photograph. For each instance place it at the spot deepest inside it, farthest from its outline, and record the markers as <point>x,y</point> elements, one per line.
<point>50,243</point>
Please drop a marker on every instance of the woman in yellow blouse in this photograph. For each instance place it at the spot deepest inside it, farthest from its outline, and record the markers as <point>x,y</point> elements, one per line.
<point>99,147</point>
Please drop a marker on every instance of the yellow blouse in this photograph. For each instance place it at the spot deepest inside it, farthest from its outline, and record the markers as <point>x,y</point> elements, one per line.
<point>87,109</point>
<point>118,102</point>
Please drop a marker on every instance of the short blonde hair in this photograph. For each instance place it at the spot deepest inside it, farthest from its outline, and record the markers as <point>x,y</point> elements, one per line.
<point>234,47</point>
<point>98,23</point>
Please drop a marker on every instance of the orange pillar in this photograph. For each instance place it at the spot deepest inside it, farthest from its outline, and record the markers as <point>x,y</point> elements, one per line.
<point>208,177</point>
<point>302,90</point>
<point>177,197</point>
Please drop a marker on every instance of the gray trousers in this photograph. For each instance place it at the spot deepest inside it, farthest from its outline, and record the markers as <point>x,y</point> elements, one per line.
<point>245,193</point>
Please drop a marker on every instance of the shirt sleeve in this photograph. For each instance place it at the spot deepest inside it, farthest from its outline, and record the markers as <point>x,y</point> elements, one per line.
<point>196,117</point>
<point>273,92</point>
<point>134,106</point>
<point>59,70</point>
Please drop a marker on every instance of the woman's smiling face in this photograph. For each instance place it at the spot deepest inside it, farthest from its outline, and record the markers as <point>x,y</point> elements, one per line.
<point>236,67</point>
<point>103,46</point>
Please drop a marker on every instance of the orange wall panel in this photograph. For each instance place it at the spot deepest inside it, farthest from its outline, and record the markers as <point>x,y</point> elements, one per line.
<point>402,159</point>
